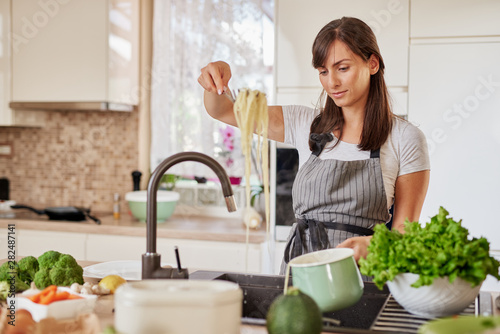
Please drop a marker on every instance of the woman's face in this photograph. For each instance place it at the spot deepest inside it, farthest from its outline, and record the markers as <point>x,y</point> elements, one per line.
<point>345,77</point>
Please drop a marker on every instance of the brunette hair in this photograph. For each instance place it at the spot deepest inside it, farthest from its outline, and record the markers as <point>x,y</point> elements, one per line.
<point>361,40</point>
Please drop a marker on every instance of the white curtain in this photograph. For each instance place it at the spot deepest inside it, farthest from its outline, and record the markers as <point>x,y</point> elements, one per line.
<point>188,34</point>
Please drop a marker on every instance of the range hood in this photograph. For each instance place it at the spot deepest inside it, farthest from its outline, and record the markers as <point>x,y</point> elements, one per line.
<point>77,106</point>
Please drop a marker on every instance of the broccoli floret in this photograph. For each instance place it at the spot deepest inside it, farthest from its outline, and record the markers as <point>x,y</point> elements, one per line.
<point>65,276</point>
<point>28,266</point>
<point>48,259</point>
<point>42,278</point>
<point>68,261</point>
<point>9,272</point>
<point>4,290</point>
<point>20,285</point>
<point>6,270</point>
<point>62,272</point>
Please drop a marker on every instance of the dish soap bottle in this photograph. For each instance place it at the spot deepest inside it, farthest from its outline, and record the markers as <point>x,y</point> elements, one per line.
<point>116,206</point>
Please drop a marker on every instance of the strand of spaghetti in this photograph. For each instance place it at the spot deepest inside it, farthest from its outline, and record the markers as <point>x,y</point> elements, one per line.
<point>241,114</point>
<point>250,109</point>
<point>264,152</point>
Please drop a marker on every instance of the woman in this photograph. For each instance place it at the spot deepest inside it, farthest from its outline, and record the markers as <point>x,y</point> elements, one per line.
<point>356,158</point>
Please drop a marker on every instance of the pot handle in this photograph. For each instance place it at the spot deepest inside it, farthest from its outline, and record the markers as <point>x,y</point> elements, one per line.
<point>21,206</point>
<point>97,220</point>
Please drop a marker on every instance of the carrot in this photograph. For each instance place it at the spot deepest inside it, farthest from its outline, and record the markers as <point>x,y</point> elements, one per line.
<point>47,298</point>
<point>36,298</point>
<point>61,295</point>
<point>50,294</point>
<point>73,296</point>
<point>51,289</point>
<point>48,289</point>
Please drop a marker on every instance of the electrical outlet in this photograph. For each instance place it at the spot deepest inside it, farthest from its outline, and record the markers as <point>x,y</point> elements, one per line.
<point>5,150</point>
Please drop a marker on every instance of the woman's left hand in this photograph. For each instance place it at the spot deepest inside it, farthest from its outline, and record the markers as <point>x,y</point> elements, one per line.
<point>358,244</point>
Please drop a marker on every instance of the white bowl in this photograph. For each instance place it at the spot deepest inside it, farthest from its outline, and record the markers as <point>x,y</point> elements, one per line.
<point>63,309</point>
<point>439,299</point>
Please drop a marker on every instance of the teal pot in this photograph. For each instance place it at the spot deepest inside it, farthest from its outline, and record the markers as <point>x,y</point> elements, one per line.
<point>165,204</point>
<point>331,277</point>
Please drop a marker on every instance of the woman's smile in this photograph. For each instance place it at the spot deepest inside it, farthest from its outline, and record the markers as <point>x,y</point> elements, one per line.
<point>338,95</point>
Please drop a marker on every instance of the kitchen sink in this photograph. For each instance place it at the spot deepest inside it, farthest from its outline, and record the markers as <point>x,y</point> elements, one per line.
<point>259,291</point>
<point>376,312</point>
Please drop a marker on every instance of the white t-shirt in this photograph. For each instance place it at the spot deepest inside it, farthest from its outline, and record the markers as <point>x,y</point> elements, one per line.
<point>404,152</point>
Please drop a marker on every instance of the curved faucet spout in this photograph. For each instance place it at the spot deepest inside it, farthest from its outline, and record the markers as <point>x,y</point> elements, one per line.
<point>149,265</point>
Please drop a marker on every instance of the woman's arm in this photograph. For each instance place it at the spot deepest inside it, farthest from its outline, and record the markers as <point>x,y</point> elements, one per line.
<point>214,79</point>
<point>409,198</point>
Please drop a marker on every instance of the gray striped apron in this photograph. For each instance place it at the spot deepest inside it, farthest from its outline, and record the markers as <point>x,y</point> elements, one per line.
<point>334,200</point>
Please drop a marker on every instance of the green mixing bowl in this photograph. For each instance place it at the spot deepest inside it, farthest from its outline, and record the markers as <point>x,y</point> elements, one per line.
<point>165,204</point>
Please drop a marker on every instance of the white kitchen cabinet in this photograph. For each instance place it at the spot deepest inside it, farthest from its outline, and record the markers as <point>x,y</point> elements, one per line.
<point>298,22</point>
<point>104,247</point>
<point>279,252</point>
<point>9,117</point>
<point>195,254</point>
<point>35,243</point>
<point>30,242</point>
<point>454,18</point>
<point>454,97</point>
<point>5,112</point>
<point>75,53</point>
<point>213,255</point>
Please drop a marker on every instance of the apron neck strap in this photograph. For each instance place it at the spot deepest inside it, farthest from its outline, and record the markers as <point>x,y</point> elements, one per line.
<point>319,142</point>
<point>375,153</point>
<point>321,139</point>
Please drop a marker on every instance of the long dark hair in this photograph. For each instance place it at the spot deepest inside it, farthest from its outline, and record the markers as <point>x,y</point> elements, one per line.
<point>377,124</point>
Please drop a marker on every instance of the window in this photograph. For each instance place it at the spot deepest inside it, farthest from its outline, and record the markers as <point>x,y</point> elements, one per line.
<point>188,34</point>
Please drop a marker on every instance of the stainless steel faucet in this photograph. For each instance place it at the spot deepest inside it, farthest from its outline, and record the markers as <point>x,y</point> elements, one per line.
<point>151,261</point>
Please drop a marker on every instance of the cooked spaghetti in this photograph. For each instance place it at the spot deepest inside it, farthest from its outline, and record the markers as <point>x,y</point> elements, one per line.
<point>250,110</point>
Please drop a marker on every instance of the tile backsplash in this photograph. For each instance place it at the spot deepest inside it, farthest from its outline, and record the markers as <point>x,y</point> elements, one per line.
<point>76,159</point>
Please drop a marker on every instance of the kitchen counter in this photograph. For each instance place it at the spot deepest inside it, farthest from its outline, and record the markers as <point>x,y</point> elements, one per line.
<point>105,305</point>
<point>177,226</point>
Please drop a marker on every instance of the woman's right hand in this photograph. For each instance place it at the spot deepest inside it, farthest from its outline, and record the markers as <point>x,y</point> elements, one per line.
<point>215,77</point>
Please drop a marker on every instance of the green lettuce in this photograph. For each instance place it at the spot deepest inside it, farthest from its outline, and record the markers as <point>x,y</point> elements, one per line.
<point>442,248</point>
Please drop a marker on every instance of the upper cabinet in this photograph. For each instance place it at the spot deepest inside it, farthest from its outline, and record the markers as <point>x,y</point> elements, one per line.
<point>78,54</point>
<point>5,112</point>
<point>452,18</point>
<point>299,21</point>
<point>9,117</point>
